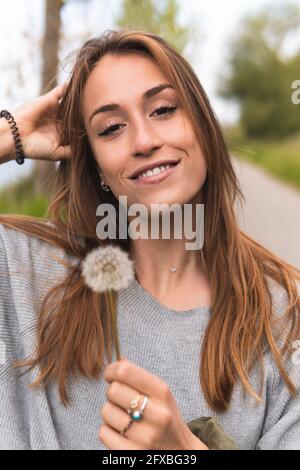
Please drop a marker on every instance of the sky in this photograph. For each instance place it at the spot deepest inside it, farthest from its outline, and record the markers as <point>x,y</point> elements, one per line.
<point>217,20</point>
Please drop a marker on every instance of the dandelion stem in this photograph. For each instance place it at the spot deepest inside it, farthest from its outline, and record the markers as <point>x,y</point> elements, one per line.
<point>114,324</point>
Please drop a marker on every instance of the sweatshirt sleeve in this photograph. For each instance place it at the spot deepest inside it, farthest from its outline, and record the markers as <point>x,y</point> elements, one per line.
<point>282,425</point>
<point>13,432</point>
<point>281,429</point>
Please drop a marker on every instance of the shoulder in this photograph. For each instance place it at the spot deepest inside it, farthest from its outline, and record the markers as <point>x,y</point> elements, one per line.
<point>280,296</point>
<point>30,253</point>
<point>30,267</point>
<point>17,243</point>
<point>285,325</point>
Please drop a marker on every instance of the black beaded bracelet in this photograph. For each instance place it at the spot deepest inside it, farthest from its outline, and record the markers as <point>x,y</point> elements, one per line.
<point>15,131</point>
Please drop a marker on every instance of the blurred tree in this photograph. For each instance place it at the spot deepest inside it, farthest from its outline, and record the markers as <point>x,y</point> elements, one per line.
<point>50,60</point>
<point>260,73</point>
<point>158,17</point>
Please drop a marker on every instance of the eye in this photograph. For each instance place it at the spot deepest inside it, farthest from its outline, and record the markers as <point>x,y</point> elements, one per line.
<point>112,128</point>
<point>165,109</point>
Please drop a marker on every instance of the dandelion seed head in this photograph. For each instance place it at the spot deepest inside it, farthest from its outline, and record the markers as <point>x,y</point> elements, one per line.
<point>106,268</point>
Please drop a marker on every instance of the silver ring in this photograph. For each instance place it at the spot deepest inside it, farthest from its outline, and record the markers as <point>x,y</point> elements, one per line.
<point>135,415</point>
<point>138,414</point>
<point>144,404</point>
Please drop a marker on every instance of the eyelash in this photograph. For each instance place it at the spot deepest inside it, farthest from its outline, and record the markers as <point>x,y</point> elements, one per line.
<point>104,133</point>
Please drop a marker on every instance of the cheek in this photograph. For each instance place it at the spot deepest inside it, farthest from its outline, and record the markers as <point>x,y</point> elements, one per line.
<point>194,154</point>
<point>199,167</point>
<point>183,135</point>
<point>195,161</point>
<point>110,161</point>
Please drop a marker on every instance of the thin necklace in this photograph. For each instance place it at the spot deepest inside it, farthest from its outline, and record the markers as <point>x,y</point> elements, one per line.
<point>173,268</point>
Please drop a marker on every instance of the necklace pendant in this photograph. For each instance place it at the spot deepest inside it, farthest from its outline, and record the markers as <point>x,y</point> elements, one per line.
<point>173,269</point>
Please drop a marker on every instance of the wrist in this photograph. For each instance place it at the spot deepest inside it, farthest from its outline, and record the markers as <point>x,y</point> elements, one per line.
<point>15,135</point>
<point>7,146</point>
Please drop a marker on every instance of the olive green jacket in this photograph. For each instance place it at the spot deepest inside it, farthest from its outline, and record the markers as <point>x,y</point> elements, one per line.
<point>209,431</point>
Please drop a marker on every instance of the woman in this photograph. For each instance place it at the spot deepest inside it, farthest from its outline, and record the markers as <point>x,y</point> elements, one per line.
<point>205,332</point>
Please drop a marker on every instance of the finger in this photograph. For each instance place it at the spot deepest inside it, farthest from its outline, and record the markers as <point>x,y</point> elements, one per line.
<point>63,152</point>
<point>49,102</point>
<point>122,395</point>
<point>114,416</point>
<point>136,377</point>
<point>117,419</point>
<point>59,90</point>
<point>114,440</point>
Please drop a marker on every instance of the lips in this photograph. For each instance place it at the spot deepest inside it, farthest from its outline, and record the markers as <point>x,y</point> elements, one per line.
<point>156,179</point>
<point>153,165</point>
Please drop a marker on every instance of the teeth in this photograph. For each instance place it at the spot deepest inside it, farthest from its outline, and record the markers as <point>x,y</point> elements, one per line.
<point>154,171</point>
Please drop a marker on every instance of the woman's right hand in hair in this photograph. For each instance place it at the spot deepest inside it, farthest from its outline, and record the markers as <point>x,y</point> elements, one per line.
<point>35,121</point>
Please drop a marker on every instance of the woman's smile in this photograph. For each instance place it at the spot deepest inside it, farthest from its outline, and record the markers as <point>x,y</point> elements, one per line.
<point>162,173</point>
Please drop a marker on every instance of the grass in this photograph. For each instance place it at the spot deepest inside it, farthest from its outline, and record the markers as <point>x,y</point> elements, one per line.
<point>281,157</point>
<point>20,198</point>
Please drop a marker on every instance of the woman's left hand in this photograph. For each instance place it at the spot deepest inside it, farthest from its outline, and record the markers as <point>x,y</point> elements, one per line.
<point>161,426</point>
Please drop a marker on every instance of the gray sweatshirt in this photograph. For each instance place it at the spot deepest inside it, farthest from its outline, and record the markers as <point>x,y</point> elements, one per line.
<point>164,341</point>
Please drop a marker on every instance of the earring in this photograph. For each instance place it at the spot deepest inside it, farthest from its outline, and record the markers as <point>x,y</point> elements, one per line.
<point>104,186</point>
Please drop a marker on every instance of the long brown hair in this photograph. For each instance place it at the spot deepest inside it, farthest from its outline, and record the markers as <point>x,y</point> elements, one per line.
<point>77,334</point>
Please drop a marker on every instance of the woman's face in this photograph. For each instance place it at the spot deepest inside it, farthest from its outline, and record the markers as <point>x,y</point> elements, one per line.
<point>140,131</point>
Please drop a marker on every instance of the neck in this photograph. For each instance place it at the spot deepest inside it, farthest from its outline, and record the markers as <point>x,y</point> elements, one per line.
<point>166,262</point>
<point>153,260</point>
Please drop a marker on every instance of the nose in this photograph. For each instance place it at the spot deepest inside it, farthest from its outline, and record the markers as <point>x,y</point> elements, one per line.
<point>144,139</point>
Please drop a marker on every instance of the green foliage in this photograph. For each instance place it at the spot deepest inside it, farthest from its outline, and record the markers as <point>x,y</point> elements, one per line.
<point>20,198</point>
<point>280,157</point>
<point>158,17</point>
<point>261,76</point>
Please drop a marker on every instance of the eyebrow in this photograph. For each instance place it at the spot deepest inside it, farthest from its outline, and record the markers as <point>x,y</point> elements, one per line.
<point>148,94</point>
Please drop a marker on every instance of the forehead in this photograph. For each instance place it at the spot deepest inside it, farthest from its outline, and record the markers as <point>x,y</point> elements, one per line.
<point>116,78</point>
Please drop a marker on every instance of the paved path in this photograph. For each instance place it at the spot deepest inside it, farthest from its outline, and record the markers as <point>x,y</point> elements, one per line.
<point>271,212</point>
